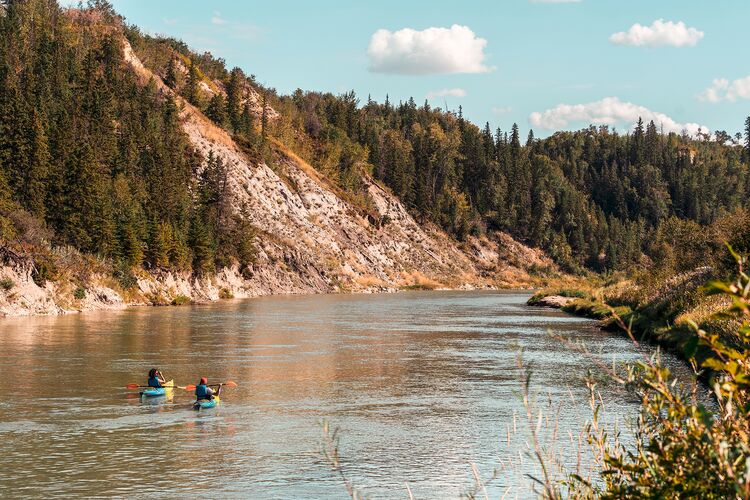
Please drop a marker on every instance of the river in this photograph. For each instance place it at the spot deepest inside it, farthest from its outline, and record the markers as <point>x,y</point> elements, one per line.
<point>421,385</point>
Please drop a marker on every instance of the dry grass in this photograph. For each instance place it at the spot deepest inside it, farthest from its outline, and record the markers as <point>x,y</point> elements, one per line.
<point>370,281</point>
<point>418,281</point>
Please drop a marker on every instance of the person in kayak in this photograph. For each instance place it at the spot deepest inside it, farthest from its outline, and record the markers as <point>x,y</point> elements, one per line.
<point>204,392</point>
<point>155,378</point>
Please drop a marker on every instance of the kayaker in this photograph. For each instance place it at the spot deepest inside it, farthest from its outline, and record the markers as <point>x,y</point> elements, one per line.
<point>155,378</point>
<point>203,391</point>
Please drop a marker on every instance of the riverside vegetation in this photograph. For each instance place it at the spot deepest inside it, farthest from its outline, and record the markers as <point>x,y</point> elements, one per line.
<point>97,174</point>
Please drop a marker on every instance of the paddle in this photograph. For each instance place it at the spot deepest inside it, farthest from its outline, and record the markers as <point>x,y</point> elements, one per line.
<point>228,383</point>
<point>136,386</point>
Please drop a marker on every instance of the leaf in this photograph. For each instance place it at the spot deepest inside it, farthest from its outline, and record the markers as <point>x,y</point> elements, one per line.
<point>691,347</point>
<point>714,364</point>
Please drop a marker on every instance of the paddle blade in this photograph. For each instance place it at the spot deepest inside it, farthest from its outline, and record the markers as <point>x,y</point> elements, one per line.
<point>231,383</point>
<point>189,387</point>
<point>132,386</point>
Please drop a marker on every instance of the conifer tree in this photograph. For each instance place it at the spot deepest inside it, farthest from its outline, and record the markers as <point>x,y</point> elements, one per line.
<point>170,79</point>
<point>216,110</point>
<point>191,91</point>
<point>234,98</point>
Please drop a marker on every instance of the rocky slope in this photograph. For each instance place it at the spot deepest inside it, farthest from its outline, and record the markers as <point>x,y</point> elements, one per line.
<point>309,240</point>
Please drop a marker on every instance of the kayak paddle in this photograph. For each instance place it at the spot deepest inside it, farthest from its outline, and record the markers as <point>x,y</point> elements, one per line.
<point>228,383</point>
<point>136,386</point>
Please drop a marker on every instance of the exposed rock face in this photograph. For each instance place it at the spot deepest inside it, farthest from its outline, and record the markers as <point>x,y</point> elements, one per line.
<point>554,301</point>
<point>309,240</point>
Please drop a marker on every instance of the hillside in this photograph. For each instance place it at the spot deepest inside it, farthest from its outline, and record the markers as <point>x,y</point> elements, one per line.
<point>216,218</point>
<point>132,165</point>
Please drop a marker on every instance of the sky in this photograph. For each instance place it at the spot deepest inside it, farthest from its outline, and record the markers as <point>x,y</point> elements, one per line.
<point>544,64</point>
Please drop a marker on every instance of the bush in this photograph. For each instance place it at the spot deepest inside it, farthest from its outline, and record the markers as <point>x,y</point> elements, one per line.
<point>125,276</point>
<point>7,284</point>
<point>225,293</point>
<point>684,449</point>
<point>44,270</point>
<point>182,300</point>
<point>79,293</point>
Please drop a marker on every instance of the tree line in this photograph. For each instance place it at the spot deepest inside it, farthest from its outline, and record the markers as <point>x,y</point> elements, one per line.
<point>102,160</point>
<point>98,158</point>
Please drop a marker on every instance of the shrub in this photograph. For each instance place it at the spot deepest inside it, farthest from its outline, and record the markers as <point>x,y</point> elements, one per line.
<point>125,276</point>
<point>7,284</point>
<point>684,449</point>
<point>225,293</point>
<point>44,270</point>
<point>79,293</point>
<point>181,300</point>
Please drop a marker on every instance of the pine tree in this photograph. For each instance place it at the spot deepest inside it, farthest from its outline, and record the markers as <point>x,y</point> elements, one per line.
<point>234,98</point>
<point>170,79</point>
<point>191,91</point>
<point>35,178</point>
<point>264,119</point>
<point>216,110</point>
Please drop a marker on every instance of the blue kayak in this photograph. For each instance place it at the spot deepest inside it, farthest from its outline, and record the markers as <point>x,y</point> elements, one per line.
<point>155,392</point>
<point>205,404</point>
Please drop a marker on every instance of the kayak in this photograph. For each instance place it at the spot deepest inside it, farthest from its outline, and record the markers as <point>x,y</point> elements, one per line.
<point>155,392</point>
<point>205,404</point>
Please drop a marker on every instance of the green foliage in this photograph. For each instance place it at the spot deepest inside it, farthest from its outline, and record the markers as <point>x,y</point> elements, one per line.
<point>79,293</point>
<point>44,270</point>
<point>182,300</point>
<point>591,198</point>
<point>125,276</point>
<point>684,449</point>
<point>7,284</point>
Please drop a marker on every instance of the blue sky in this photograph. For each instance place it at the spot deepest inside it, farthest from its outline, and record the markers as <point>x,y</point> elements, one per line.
<point>504,61</point>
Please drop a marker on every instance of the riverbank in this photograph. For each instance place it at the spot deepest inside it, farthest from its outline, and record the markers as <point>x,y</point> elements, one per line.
<point>663,315</point>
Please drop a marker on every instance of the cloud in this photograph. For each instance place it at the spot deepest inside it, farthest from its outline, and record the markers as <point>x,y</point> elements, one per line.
<point>554,1</point>
<point>432,51</point>
<point>446,93</point>
<point>722,89</point>
<point>659,33</point>
<point>608,111</point>
<point>501,110</point>
<point>218,20</point>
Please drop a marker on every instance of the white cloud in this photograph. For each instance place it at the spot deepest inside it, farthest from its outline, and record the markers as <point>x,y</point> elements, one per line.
<point>501,110</point>
<point>218,20</point>
<point>722,89</point>
<point>431,51</point>
<point>659,33</point>
<point>554,1</point>
<point>608,111</point>
<point>446,93</point>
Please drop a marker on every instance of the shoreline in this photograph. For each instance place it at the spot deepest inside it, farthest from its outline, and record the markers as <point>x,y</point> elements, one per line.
<point>28,299</point>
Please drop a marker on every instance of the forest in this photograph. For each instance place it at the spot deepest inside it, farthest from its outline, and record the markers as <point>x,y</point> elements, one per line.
<point>101,162</point>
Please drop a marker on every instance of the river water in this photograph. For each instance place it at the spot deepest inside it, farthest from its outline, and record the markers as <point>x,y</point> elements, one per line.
<point>421,385</point>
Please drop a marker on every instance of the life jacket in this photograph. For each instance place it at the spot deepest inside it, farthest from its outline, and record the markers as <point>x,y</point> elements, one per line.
<point>201,391</point>
<point>154,382</point>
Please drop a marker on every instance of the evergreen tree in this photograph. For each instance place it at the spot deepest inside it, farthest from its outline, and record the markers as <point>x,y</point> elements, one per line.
<point>170,79</point>
<point>191,91</point>
<point>234,98</point>
<point>216,110</point>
